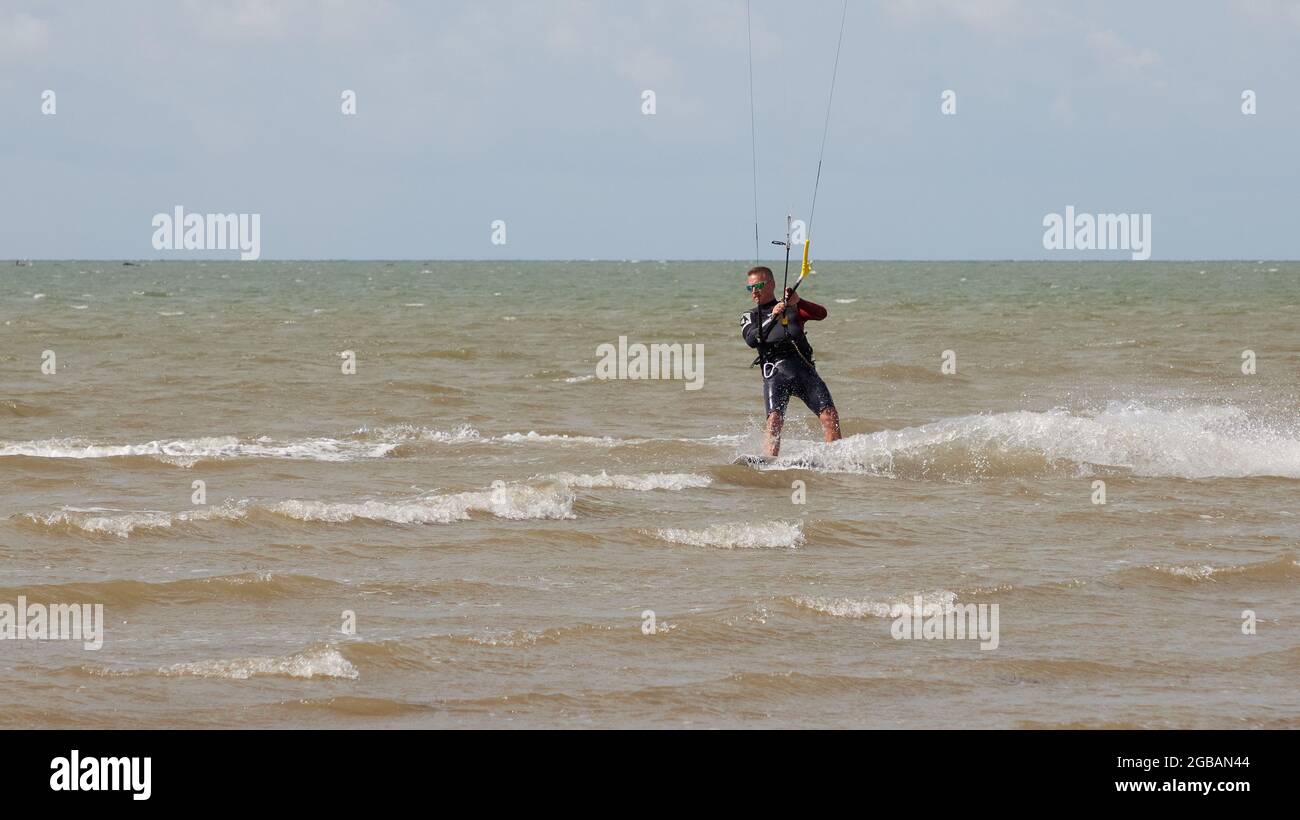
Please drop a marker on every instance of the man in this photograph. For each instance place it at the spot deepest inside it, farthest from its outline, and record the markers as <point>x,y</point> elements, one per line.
<point>786,356</point>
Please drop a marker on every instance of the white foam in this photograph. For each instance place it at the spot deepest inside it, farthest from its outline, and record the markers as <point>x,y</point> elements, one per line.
<point>367,443</point>
<point>463,434</point>
<point>1190,442</point>
<point>186,452</point>
<point>509,638</point>
<point>325,662</point>
<point>512,501</point>
<point>501,499</point>
<point>1205,572</point>
<point>410,432</point>
<point>124,522</point>
<point>542,438</point>
<point>769,535</point>
<point>467,434</point>
<point>1201,573</point>
<point>645,481</point>
<point>941,600</point>
<point>723,440</point>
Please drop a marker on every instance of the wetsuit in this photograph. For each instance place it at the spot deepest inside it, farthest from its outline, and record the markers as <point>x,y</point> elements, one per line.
<point>786,357</point>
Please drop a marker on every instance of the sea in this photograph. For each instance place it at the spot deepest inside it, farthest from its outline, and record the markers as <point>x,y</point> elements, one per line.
<point>404,494</point>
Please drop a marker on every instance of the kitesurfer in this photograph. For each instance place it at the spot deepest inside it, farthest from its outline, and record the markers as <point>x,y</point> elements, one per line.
<point>785,355</point>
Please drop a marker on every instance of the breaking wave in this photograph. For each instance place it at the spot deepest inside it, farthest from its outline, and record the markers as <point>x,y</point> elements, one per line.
<point>315,662</point>
<point>647,481</point>
<point>551,497</point>
<point>940,600</point>
<point>124,522</point>
<point>187,452</point>
<point>1192,443</point>
<point>363,443</point>
<point>513,501</point>
<point>465,434</point>
<point>1278,570</point>
<point>770,535</point>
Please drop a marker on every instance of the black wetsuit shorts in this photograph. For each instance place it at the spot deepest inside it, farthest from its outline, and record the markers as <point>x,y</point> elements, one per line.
<point>791,377</point>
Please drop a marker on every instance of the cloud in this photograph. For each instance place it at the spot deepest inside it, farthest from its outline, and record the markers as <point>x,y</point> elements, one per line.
<point>22,35</point>
<point>1062,110</point>
<point>992,15</point>
<point>1112,48</point>
<point>276,20</point>
<point>1126,62</point>
<point>1269,11</point>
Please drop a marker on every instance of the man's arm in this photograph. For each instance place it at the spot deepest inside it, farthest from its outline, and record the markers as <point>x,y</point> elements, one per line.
<point>749,329</point>
<point>811,311</point>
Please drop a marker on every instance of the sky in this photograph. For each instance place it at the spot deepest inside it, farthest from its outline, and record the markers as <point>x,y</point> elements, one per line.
<point>532,112</point>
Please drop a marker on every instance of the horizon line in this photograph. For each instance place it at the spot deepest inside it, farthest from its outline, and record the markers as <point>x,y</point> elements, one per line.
<point>17,262</point>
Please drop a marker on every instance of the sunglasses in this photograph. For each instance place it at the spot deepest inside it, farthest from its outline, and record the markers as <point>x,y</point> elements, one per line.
<point>755,287</point>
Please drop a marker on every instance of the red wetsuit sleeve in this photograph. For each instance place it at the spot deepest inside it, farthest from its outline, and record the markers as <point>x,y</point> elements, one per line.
<point>811,311</point>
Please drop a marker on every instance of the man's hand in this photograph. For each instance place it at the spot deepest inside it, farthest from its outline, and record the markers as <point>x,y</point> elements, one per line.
<point>778,308</point>
<point>791,297</point>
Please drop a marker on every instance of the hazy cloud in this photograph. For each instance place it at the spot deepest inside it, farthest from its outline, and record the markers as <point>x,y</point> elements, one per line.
<point>474,110</point>
<point>22,35</point>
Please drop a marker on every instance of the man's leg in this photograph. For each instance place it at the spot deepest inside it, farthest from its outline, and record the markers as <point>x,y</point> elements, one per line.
<point>776,395</point>
<point>830,423</point>
<point>772,439</point>
<point>818,398</point>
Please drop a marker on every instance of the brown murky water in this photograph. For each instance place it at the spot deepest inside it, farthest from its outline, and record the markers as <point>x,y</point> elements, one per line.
<point>500,522</point>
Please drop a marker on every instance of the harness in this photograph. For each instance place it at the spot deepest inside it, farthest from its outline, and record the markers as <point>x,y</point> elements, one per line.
<point>772,354</point>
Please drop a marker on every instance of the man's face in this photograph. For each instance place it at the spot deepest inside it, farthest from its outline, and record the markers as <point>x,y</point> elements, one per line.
<point>764,293</point>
